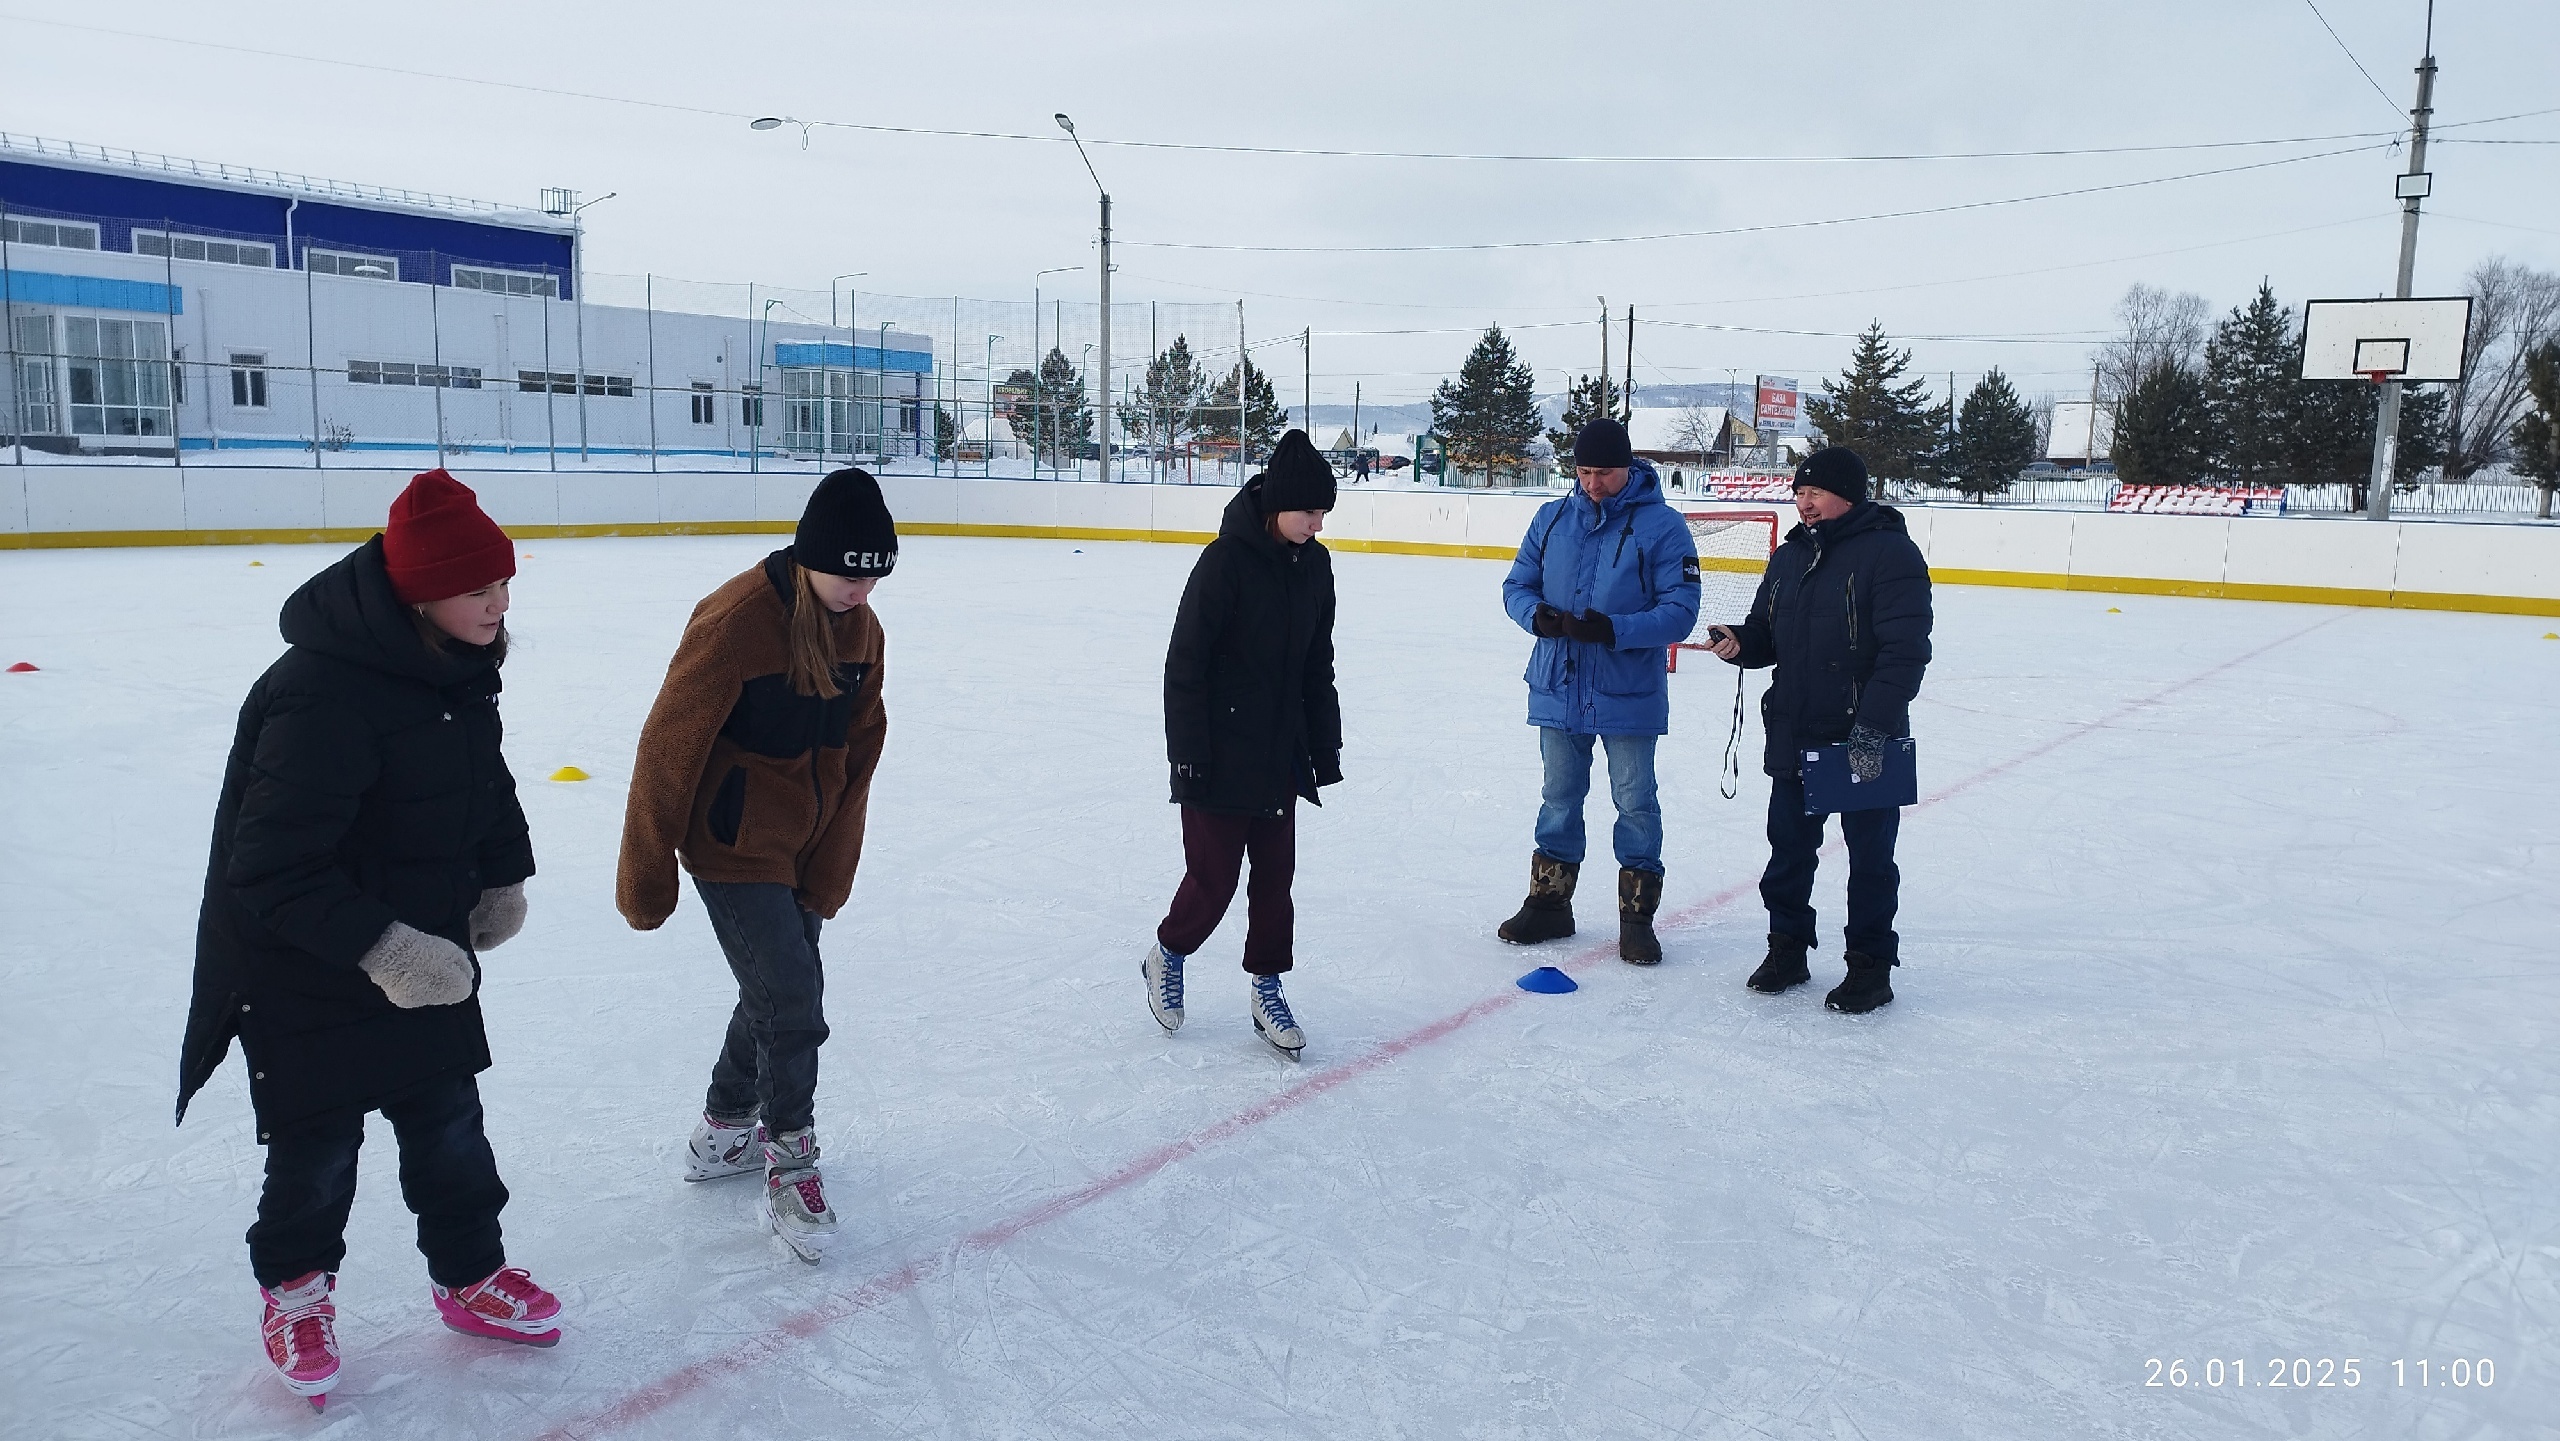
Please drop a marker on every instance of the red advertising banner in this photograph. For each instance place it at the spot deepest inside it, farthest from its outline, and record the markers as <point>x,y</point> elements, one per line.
<point>1777,411</point>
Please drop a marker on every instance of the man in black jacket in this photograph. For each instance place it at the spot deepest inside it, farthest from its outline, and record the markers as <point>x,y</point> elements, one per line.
<point>1843,613</point>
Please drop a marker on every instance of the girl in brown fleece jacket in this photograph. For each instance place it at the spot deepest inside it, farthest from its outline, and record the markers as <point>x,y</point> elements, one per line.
<point>755,770</point>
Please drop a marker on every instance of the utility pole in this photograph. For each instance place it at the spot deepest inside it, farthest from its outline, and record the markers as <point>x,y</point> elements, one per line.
<point>1600,399</point>
<point>2412,187</point>
<point>1069,126</point>
<point>1627,392</point>
<point>1307,384</point>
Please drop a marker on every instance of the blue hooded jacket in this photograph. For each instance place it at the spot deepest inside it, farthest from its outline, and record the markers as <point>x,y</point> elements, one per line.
<point>1632,559</point>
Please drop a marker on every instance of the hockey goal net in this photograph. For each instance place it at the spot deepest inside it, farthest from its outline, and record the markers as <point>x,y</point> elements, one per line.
<point>1734,547</point>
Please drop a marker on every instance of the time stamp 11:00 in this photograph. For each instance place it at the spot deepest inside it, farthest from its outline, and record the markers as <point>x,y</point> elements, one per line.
<point>2310,1374</point>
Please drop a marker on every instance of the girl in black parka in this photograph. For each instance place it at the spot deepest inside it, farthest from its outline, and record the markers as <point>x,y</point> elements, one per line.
<point>1251,723</point>
<point>367,846</point>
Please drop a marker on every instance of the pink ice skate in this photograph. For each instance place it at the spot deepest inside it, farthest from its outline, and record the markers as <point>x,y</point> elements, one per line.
<point>504,1306</point>
<point>301,1329</point>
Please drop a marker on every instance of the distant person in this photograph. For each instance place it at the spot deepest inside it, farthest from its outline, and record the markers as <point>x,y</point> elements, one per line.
<point>1843,612</point>
<point>1360,468</point>
<point>368,851</point>
<point>1251,724</point>
<point>1605,579</point>
<point>755,769</point>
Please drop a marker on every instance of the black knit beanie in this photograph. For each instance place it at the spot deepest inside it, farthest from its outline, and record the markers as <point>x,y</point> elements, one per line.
<point>846,528</point>
<point>1837,469</point>
<point>1297,477</point>
<point>1602,445</point>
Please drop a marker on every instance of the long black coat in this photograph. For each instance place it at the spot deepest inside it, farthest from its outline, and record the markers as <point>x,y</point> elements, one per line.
<point>364,787</point>
<point>1249,703</point>
<point>1843,612</point>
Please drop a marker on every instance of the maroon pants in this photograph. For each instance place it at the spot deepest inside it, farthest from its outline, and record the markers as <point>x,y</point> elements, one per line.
<point>1214,848</point>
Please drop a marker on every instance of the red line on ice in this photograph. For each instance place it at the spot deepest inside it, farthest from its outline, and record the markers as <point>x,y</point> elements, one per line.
<point>799,1326</point>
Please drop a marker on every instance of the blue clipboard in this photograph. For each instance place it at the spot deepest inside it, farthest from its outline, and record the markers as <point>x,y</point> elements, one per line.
<point>1829,788</point>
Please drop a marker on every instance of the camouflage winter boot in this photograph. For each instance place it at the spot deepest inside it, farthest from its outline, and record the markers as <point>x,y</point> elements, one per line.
<point>1548,913</point>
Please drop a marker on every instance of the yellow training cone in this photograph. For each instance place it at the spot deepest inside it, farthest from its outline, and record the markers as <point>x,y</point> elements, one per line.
<point>2113,610</point>
<point>2551,635</point>
<point>569,773</point>
<point>257,562</point>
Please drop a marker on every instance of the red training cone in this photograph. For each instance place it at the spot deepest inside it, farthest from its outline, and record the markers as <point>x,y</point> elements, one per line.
<point>21,668</point>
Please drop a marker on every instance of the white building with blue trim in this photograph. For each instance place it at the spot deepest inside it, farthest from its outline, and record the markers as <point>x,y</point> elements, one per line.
<point>149,303</point>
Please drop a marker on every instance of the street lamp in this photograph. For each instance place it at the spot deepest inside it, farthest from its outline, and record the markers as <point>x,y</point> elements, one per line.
<point>776,122</point>
<point>1037,360</point>
<point>991,403</point>
<point>578,262</point>
<point>755,422</point>
<point>1069,126</point>
<point>831,294</point>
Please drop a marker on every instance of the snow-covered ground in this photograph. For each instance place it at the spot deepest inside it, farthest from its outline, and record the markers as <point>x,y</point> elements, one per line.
<point>2225,1031</point>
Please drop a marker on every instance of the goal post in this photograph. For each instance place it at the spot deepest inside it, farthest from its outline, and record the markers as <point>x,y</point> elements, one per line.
<point>1734,547</point>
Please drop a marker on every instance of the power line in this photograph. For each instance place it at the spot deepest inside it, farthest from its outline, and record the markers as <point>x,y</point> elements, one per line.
<point>1773,226</point>
<point>1200,147</point>
<point>2351,57</point>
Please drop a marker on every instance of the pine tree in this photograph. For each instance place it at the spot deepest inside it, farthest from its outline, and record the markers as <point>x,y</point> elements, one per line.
<point>2250,392</point>
<point>2160,428</point>
<point>2536,434</point>
<point>1586,400</point>
<point>946,433</point>
<point>1264,417</point>
<point>1886,423</point>
<point>1166,412</point>
<point>2329,440</point>
<point>1064,419</point>
<point>1997,439</point>
<point>1489,414</point>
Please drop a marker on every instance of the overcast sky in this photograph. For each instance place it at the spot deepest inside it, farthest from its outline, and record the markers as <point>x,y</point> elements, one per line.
<point>700,195</point>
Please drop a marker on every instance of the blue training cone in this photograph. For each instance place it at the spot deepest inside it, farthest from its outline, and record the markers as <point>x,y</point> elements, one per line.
<point>1548,981</point>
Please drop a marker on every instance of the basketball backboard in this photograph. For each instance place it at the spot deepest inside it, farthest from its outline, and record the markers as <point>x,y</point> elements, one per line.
<point>2408,340</point>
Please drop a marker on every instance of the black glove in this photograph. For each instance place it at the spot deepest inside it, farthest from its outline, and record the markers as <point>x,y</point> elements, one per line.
<point>1866,752</point>
<point>1190,783</point>
<point>1548,621</point>
<point>1592,626</point>
<point>1328,768</point>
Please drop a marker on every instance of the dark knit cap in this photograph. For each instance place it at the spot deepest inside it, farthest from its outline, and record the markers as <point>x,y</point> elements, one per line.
<point>1602,445</point>
<point>846,528</point>
<point>1834,468</point>
<point>1297,477</point>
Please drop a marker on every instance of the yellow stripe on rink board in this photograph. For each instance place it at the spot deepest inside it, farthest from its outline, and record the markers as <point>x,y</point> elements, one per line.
<point>2015,579</point>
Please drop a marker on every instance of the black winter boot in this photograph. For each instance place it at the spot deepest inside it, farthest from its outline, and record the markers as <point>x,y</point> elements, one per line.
<point>1783,969</point>
<point>1548,913</point>
<point>1639,896</point>
<point>1870,985</point>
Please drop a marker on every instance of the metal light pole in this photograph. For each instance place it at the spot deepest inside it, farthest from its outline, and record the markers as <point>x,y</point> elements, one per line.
<point>755,424</point>
<point>991,404</point>
<point>2412,188</point>
<point>578,268</point>
<point>1069,126</point>
<point>831,295</point>
<point>1039,366</point>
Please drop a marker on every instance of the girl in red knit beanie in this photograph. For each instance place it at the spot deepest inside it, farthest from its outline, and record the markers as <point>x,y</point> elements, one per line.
<point>367,849</point>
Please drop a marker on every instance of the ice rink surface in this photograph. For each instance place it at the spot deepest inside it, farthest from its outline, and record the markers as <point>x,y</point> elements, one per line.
<point>2225,1031</point>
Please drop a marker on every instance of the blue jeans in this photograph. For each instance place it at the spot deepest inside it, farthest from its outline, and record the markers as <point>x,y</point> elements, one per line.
<point>1875,882</point>
<point>1638,834</point>
<point>768,1065</point>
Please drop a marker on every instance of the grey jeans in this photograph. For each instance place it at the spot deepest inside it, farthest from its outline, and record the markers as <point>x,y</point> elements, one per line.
<point>768,1064</point>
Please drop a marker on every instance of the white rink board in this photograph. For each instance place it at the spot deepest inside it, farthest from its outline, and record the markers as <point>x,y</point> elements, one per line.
<point>2223,1030</point>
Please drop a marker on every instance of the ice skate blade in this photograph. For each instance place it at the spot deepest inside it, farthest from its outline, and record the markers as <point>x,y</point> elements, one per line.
<point>810,1250</point>
<point>545,1339</point>
<point>694,1172</point>
<point>319,1402</point>
<point>1289,1051</point>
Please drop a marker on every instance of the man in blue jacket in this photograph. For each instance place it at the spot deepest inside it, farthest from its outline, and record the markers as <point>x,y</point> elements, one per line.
<point>1605,579</point>
<point>1843,612</point>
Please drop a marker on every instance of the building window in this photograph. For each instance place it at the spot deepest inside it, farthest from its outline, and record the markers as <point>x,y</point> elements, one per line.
<point>401,372</point>
<point>249,379</point>
<point>560,382</point>
<point>348,262</point>
<point>61,234</point>
<point>706,404</point>
<point>35,375</point>
<point>751,405</point>
<point>198,247</point>
<point>178,374</point>
<point>505,282</point>
<point>119,375</point>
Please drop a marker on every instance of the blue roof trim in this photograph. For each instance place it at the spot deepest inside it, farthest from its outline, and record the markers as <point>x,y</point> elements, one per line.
<point>853,357</point>
<point>37,287</point>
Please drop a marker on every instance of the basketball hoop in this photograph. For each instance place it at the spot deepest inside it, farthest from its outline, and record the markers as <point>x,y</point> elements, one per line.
<point>2379,376</point>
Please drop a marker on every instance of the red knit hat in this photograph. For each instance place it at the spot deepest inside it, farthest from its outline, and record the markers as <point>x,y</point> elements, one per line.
<point>440,543</point>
